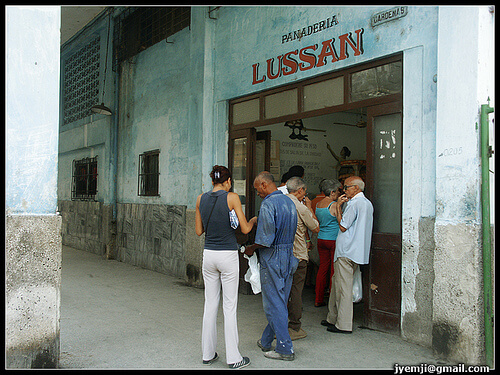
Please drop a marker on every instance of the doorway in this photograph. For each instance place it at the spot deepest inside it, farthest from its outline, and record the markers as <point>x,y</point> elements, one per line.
<point>357,111</point>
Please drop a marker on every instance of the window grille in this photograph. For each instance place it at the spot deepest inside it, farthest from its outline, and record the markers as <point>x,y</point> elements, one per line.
<point>84,179</point>
<point>138,28</point>
<point>149,173</point>
<point>81,82</point>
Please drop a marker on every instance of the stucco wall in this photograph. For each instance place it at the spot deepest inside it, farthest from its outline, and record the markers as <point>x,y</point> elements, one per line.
<point>32,228</point>
<point>457,290</point>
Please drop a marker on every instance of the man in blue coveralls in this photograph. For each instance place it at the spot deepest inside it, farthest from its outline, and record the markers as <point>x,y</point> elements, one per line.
<point>274,239</point>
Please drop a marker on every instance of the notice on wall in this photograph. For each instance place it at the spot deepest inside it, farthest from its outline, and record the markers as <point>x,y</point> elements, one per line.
<point>275,161</point>
<point>305,154</point>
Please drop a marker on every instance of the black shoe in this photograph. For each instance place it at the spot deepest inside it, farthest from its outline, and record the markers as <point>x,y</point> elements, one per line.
<point>243,363</point>
<point>210,361</point>
<point>326,323</point>
<point>333,328</point>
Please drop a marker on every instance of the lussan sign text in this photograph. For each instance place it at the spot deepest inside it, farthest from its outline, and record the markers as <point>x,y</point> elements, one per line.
<point>309,57</point>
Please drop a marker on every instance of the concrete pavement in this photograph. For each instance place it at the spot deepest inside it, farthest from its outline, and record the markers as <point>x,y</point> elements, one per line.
<point>118,316</point>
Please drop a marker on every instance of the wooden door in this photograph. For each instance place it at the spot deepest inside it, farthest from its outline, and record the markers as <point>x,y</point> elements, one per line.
<point>382,282</point>
<point>241,161</point>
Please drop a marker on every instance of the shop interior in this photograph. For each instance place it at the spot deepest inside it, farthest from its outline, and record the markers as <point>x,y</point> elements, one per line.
<point>331,146</point>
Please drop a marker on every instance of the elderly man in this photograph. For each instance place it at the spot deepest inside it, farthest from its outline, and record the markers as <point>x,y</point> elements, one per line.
<point>352,249</point>
<point>274,238</point>
<point>306,220</point>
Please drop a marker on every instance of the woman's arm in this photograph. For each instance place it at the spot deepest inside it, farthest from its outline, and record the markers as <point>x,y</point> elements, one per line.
<point>198,222</point>
<point>234,203</point>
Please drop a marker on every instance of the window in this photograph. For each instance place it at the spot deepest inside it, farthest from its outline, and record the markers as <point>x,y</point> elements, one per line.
<point>139,28</point>
<point>149,173</point>
<point>84,179</point>
<point>378,81</point>
<point>81,82</point>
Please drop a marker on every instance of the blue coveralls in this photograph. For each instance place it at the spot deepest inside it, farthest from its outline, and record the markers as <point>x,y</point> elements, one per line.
<point>276,229</point>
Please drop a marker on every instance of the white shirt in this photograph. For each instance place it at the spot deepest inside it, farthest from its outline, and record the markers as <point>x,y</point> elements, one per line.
<point>283,189</point>
<point>355,242</point>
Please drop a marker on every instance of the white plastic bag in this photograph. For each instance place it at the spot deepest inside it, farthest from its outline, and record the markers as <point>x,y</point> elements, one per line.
<point>357,287</point>
<point>253,274</point>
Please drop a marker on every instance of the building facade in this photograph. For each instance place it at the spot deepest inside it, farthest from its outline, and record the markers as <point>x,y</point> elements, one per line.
<point>259,88</point>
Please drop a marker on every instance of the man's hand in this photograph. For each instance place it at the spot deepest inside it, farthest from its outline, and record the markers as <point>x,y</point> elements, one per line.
<point>249,250</point>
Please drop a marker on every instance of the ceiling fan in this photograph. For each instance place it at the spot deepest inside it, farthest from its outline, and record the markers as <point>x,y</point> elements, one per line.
<point>359,124</point>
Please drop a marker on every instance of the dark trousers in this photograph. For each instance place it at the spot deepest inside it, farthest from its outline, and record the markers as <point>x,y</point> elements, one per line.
<point>295,300</point>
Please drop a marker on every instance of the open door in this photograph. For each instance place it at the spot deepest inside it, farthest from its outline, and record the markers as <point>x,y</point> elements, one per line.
<point>382,282</point>
<point>242,145</point>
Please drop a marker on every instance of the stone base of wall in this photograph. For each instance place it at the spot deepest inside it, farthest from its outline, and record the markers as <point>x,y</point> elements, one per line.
<point>87,226</point>
<point>152,236</point>
<point>458,310</point>
<point>194,252</point>
<point>33,281</point>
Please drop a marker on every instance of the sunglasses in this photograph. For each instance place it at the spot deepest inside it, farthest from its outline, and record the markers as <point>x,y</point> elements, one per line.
<point>348,186</point>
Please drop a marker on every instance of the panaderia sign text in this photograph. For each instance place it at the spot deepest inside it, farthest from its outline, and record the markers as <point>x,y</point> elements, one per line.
<point>309,57</point>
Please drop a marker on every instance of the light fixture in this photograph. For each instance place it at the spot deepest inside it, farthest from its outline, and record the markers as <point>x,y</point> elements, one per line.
<point>101,108</point>
<point>296,125</point>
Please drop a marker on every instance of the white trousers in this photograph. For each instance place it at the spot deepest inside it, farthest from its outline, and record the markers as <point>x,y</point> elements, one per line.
<point>220,268</point>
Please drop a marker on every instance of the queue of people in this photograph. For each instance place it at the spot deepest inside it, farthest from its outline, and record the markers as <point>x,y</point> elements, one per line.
<point>343,219</point>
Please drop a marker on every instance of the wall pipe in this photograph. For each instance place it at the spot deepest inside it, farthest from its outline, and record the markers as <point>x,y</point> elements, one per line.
<point>486,153</point>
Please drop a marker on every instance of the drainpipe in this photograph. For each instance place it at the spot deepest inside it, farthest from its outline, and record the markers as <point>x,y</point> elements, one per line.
<point>112,250</point>
<point>486,153</point>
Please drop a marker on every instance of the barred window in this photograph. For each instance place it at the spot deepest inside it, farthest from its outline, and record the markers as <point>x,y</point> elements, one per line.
<point>138,28</point>
<point>149,173</point>
<point>84,179</point>
<point>81,82</point>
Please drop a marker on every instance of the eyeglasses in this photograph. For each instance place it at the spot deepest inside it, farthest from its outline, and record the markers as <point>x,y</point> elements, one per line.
<point>348,186</point>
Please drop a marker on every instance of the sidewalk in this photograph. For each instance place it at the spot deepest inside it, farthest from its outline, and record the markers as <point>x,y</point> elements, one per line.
<point>118,316</point>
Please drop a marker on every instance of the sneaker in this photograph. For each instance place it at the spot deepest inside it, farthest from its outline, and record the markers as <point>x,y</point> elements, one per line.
<point>243,363</point>
<point>296,335</point>
<point>262,347</point>
<point>275,355</point>
<point>210,361</point>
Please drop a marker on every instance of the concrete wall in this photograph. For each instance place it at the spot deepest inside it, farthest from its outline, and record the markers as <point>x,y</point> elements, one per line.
<point>457,290</point>
<point>33,228</point>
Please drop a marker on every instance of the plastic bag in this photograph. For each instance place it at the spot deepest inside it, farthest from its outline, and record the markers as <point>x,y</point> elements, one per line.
<point>357,287</point>
<point>253,274</point>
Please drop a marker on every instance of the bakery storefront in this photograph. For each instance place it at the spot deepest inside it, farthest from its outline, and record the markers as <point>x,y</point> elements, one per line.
<point>309,123</point>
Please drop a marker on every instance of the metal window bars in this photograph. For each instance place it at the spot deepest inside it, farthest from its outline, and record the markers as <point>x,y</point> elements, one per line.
<point>84,185</point>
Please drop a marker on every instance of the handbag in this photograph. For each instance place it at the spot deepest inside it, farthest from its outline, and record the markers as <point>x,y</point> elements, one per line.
<point>233,219</point>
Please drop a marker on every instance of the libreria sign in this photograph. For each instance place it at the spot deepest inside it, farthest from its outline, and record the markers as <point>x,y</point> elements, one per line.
<point>310,57</point>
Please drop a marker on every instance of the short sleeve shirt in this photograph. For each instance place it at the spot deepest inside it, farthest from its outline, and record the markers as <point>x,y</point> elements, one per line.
<point>355,242</point>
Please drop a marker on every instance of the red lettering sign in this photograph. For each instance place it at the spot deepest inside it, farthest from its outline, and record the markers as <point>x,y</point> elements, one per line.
<point>287,63</point>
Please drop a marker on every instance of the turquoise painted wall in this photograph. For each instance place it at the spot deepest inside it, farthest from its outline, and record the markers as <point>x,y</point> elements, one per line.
<point>32,109</point>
